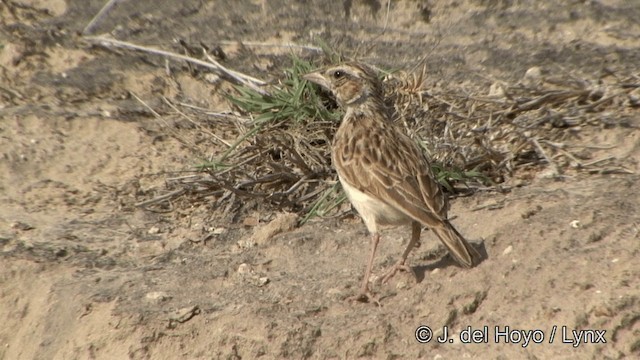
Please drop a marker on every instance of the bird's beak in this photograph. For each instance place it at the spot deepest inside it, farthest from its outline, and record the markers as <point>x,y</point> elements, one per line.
<point>317,78</point>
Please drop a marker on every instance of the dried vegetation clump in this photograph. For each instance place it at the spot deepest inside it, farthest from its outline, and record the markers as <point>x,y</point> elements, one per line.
<point>530,124</point>
<point>275,149</point>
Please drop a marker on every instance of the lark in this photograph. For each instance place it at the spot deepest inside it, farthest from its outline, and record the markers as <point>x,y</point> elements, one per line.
<point>384,173</point>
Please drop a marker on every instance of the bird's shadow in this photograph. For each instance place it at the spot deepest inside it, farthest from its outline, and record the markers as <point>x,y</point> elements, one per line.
<point>421,270</point>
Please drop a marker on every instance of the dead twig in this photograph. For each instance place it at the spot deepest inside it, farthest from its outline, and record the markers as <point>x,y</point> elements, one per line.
<point>238,77</point>
<point>489,206</point>
<point>166,124</point>
<point>96,19</point>
<point>213,136</point>
<point>262,44</point>
<point>171,195</point>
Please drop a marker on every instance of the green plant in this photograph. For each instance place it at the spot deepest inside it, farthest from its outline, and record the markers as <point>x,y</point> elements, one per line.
<point>446,176</point>
<point>293,100</point>
<point>330,199</point>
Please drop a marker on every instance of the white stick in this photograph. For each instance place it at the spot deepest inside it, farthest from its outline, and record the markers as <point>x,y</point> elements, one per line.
<point>246,80</point>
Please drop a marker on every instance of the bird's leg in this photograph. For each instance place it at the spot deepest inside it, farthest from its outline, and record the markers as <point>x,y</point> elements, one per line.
<point>365,294</point>
<point>416,228</point>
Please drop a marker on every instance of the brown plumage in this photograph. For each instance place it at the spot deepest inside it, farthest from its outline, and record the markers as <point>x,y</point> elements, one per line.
<point>384,173</point>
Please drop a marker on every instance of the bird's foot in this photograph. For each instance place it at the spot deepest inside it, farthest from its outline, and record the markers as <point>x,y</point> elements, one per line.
<point>364,296</point>
<point>400,266</point>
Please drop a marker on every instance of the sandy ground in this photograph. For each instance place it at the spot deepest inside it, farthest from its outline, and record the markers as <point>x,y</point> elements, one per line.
<point>85,274</point>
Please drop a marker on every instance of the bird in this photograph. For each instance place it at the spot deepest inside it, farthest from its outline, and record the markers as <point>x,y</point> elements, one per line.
<point>386,176</point>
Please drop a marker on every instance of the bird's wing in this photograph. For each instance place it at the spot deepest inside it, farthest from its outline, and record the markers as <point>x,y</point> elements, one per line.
<point>388,165</point>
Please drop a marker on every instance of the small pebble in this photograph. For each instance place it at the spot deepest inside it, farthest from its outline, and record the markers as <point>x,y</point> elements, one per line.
<point>244,268</point>
<point>157,296</point>
<point>533,76</point>
<point>218,231</point>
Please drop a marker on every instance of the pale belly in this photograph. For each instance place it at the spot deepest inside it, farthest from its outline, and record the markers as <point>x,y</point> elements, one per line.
<point>373,211</point>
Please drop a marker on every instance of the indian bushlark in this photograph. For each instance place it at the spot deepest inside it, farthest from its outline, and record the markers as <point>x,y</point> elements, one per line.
<point>384,173</point>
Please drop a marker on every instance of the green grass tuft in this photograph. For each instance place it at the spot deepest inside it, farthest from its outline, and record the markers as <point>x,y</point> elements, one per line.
<point>294,100</point>
<point>448,176</point>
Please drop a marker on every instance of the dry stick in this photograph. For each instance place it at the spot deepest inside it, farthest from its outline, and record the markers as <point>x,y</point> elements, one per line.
<point>293,187</point>
<point>161,198</point>
<point>544,154</point>
<point>235,166</point>
<point>166,101</point>
<point>594,104</point>
<point>183,178</point>
<point>240,78</point>
<point>13,92</point>
<point>309,195</point>
<point>106,8</point>
<point>590,163</point>
<point>386,18</point>
<point>374,40</point>
<point>217,114</point>
<point>236,75</point>
<point>551,96</point>
<point>561,148</point>
<point>596,147</point>
<point>614,170</point>
<point>260,44</point>
<point>490,206</point>
<point>159,117</point>
<point>155,113</point>
<point>196,107</point>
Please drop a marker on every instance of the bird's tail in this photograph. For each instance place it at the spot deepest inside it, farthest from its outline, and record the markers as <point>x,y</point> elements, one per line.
<point>459,248</point>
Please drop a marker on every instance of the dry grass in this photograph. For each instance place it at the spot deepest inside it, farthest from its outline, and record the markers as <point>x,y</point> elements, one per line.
<point>502,129</point>
<point>478,138</point>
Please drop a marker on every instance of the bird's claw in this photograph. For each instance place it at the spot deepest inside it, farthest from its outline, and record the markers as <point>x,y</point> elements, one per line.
<point>395,268</point>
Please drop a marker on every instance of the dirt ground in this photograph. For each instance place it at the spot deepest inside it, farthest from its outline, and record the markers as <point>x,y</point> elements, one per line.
<point>85,274</point>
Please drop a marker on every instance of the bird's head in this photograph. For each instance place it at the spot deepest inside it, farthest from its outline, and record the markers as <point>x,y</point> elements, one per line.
<point>353,84</point>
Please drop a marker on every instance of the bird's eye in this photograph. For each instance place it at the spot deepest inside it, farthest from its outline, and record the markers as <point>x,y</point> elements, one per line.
<point>338,74</point>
